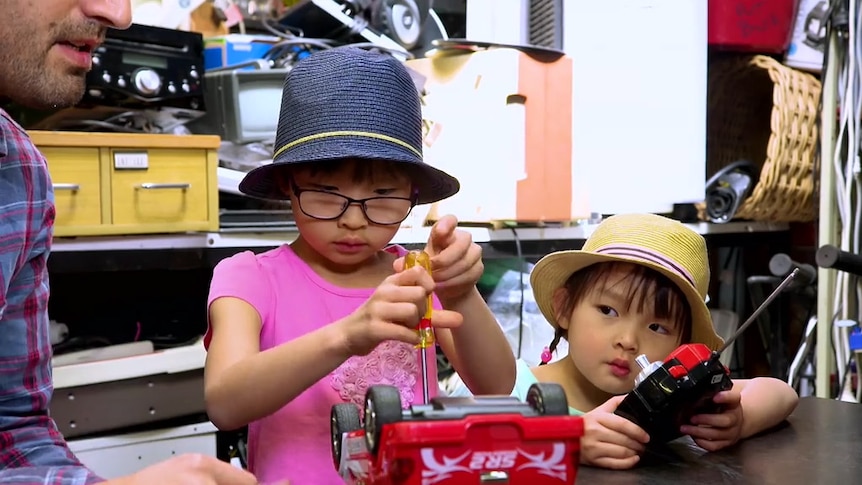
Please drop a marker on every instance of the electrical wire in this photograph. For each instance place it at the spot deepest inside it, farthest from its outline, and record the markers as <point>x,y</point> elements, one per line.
<point>389,50</point>
<point>93,125</point>
<point>522,267</point>
<point>856,44</point>
<point>124,122</point>
<point>281,53</point>
<point>275,28</point>
<point>846,166</point>
<point>840,307</point>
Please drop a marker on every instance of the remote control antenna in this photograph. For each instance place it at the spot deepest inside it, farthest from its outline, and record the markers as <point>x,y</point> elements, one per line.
<point>762,307</point>
<point>425,331</point>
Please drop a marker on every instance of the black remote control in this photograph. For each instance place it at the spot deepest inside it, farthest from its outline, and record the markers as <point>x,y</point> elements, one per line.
<point>667,394</point>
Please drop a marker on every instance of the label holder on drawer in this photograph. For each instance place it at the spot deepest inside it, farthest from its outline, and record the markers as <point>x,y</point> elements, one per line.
<point>131,161</point>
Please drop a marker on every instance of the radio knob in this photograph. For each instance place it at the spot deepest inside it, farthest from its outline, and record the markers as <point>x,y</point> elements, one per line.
<point>147,81</point>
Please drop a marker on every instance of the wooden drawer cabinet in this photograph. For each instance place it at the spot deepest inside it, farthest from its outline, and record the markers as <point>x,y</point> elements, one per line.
<point>111,184</point>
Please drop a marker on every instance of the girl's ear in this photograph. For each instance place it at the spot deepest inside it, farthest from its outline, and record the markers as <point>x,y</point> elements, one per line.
<point>559,302</point>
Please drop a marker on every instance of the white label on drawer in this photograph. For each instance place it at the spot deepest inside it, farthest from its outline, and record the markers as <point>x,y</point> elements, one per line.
<point>131,161</point>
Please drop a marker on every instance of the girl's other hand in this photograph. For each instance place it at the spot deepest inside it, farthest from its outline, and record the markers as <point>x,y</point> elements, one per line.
<point>456,261</point>
<point>713,432</point>
<point>611,441</point>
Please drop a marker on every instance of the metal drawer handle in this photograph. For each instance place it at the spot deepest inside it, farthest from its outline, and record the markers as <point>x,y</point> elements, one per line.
<point>72,187</point>
<point>149,186</point>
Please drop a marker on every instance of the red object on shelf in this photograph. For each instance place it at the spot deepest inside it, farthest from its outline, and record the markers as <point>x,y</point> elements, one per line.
<point>761,26</point>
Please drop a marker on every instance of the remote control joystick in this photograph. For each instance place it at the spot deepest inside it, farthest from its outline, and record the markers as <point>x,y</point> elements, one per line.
<point>667,394</point>
<point>646,366</point>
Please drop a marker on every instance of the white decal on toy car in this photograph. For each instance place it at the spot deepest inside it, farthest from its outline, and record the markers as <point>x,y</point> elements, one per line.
<point>434,471</point>
<point>552,466</point>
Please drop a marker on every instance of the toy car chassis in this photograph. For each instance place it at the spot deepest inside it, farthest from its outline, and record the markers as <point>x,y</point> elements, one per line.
<point>457,441</point>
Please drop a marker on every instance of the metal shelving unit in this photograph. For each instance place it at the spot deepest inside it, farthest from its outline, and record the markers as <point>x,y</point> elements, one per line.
<point>405,236</point>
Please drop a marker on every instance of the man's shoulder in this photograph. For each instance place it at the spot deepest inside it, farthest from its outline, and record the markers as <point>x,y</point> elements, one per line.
<point>5,117</point>
<point>15,143</point>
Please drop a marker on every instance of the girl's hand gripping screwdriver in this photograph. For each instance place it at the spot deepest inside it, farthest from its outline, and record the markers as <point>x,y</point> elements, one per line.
<point>425,331</point>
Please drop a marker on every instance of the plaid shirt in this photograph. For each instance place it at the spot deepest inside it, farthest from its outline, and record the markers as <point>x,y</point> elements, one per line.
<point>32,450</point>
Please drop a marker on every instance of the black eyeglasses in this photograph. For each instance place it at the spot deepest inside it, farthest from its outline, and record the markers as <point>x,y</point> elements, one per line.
<point>327,206</point>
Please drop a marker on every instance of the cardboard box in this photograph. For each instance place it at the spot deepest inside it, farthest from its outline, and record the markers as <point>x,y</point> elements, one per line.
<point>501,122</point>
<point>169,14</point>
<point>229,50</point>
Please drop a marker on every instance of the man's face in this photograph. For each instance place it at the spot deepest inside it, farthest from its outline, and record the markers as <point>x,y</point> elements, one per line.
<point>45,47</point>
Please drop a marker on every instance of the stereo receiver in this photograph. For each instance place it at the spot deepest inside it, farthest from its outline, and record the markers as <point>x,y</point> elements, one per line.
<point>147,67</point>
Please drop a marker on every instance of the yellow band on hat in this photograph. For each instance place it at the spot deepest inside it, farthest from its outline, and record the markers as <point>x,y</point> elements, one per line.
<point>329,134</point>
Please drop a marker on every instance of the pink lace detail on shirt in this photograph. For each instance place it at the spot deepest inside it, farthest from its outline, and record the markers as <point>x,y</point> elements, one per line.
<point>391,363</point>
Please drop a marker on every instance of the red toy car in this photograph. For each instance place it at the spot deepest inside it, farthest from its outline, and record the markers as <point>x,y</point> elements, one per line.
<point>458,441</point>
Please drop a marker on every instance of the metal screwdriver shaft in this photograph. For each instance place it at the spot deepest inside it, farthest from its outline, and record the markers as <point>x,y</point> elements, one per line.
<point>424,376</point>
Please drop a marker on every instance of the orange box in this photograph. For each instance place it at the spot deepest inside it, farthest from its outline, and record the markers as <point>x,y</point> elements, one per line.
<point>501,122</point>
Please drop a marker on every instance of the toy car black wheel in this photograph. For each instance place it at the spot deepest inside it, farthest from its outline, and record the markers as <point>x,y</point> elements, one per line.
<point>344,418</point>
<point>382,407</point>
<point>548,399</point>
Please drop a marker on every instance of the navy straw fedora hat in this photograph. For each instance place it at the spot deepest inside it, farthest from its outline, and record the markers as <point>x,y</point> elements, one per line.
<point>353,103</point>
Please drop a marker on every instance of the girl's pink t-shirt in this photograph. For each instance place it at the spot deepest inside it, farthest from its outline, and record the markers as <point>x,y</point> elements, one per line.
<point>292,300</point>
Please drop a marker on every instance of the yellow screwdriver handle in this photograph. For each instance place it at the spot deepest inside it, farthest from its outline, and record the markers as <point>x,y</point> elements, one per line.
<point>425,331</point>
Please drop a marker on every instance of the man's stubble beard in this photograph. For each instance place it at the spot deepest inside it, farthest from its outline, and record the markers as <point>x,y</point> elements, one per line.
<point>30,82</point>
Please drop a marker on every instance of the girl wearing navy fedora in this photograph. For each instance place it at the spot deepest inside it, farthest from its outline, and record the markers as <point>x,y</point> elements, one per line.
<point>294,330</point>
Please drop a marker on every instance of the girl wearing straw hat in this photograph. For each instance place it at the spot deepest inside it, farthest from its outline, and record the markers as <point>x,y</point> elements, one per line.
<point>638,286</point>
<point>294,330</point>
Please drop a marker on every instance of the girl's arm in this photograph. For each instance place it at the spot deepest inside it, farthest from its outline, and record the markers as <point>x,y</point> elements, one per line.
<point>243,384</point>
<point>765,402</point>
<point>478,350</point>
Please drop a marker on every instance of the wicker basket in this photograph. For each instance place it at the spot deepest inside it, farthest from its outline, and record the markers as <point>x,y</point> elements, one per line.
<point>767,113</point>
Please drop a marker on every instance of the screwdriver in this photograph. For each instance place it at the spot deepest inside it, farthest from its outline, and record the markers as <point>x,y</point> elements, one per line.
<point>425,331</point>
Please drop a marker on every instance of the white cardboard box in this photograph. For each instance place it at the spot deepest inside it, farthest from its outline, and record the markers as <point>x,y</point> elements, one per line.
<point>169,14</point>
<point>639,69</point>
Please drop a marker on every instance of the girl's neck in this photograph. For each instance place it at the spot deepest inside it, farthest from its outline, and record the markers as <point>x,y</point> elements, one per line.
<point>580,392</point>
<point>367,274</point>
